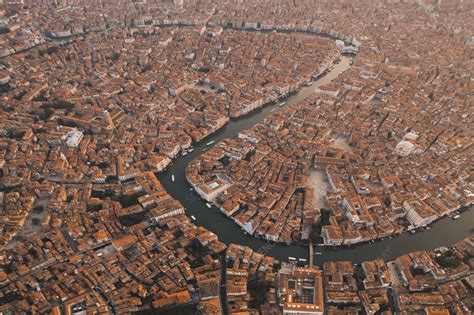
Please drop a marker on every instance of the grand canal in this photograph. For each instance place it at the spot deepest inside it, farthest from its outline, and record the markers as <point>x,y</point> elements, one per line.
<point>442,233</point>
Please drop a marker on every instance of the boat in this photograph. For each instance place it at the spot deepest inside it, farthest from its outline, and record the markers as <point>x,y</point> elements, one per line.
<point>318,253</point>
<point>190,150</point>
<point>184,153</point>
<point>319,75</point>
<point>208,205</point>
<point>291,258</point>
<point>302,259</point>
<point>193,217</point>
<point>172,178</point>
<point>457,216</point>
<point>210,142</point>
<point>282,104</point>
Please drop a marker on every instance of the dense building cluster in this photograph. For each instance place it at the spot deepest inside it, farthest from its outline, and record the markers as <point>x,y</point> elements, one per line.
<point>390,139</point>
<point>109,106</point>
<point>99,95</point>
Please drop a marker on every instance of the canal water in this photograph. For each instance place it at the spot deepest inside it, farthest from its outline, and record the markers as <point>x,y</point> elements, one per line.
<point>442,233</point>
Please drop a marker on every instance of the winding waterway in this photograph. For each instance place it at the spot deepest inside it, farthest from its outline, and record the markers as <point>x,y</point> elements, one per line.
<point>442,233</point>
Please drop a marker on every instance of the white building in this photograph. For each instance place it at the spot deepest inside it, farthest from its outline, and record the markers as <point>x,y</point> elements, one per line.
<point>419,213</point>
<point>248,135</point>
<point>73,138</point>
<point>327,91</point>
<point>332,235</point>
<point>171,210</point>
<point>210,191</point>
<point>159,162</point>
<point>406,147</point>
